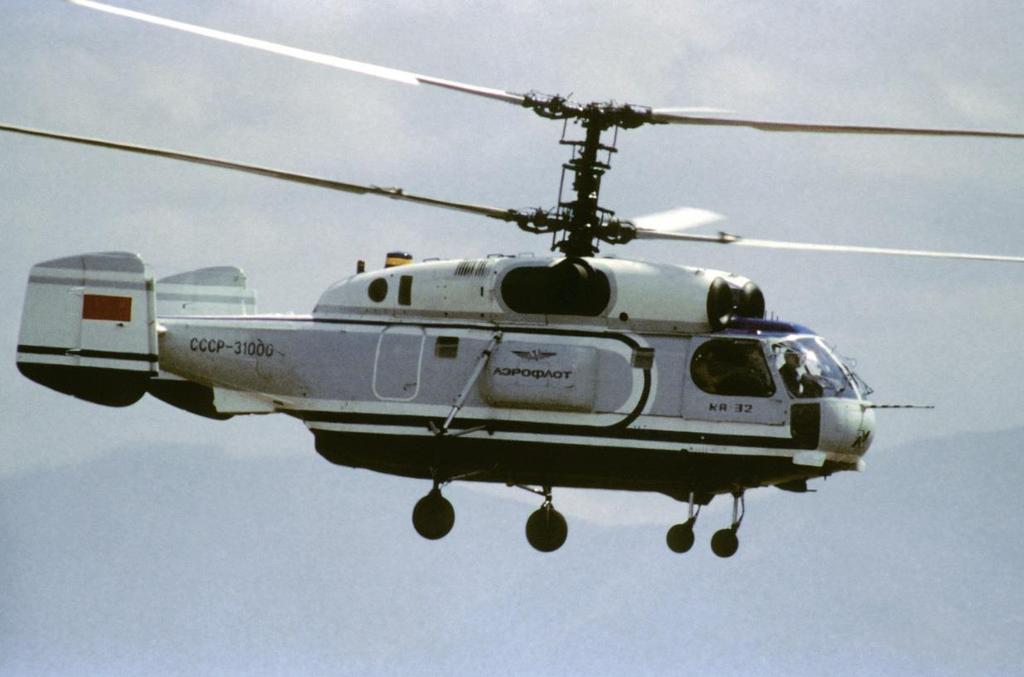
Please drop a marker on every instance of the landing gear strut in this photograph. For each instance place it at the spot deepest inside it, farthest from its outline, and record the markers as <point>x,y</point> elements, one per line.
<point>725,543</point>
<point>433,516</point>
<point>546,530</point>
<point>680,536</point>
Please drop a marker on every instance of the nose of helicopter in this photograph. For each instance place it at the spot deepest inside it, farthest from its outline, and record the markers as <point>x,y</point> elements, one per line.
<point>847,426</point>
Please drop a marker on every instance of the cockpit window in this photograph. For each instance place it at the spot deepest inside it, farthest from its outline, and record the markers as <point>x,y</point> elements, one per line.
<point>734,367</point>
<point>808,369</point>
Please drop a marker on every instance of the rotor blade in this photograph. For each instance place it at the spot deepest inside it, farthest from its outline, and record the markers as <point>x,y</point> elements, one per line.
<point>670,115</point>
<point>727,238</point>
<point>559,108</point>
<point>406,77</point>
<point>393,193</point>
<point>674,220</point>
<point>694,111</point>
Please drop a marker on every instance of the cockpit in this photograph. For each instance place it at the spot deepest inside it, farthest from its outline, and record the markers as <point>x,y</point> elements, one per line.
<point>759,376</point>
<point>802,366</point>
<point>810,369</point>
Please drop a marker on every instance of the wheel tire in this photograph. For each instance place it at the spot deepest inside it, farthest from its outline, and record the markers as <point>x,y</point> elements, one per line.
<point>725,543</point>
<point>433,517</point>
<point>680,537</point>
<point>546,530</point>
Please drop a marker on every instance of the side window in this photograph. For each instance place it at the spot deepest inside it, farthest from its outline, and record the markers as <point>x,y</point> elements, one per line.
<point>405,290</point>
<point>447,347</point>
<point>733,367</point>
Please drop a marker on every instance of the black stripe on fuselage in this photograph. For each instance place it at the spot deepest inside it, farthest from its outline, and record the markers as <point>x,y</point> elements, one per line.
<point>617,431</point>
<point>74,352</point>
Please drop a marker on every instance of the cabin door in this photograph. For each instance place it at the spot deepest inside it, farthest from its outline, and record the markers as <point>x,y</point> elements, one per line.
<point>396,372</point>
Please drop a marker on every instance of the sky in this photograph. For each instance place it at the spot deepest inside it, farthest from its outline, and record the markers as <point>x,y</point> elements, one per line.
<point>145,540</point>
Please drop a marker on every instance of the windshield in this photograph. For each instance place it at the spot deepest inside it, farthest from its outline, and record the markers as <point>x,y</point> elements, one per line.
<point>809,369</point>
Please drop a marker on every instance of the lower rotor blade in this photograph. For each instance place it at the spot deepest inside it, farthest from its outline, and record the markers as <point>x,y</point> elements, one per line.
<point>393,193</point>
<point>729,239</point>
<point>668,115</point>
<point>675,220</point>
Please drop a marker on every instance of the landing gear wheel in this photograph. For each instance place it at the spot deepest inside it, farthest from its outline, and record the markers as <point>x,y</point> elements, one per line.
<point>725,543</point>
<point>680,537</point>
<point>433,516</point>
<point>546,530</point>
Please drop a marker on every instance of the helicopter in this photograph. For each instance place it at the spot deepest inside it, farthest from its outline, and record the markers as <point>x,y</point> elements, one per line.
<point>567,371</point>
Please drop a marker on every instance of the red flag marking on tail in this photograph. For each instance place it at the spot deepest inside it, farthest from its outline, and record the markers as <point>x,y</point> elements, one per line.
<point>99,307</point>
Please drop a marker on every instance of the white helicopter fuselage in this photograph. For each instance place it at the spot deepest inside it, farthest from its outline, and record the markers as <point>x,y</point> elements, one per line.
<point>443,369</point>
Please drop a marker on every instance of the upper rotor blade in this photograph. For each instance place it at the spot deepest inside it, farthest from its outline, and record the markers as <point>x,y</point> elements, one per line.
<point>727,238</point>
<point>669,115</point>
<point>675,220</point>
<point>406,77</point>
<point>554,107</point>
<point>393,193</point>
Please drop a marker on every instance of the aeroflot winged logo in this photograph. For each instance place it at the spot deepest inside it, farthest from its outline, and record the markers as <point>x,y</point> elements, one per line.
<point>537,373</point>
<point>533,355</point>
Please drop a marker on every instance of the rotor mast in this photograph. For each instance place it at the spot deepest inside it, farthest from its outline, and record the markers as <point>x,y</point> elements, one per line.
<point>579,222</point>
<point>583,214</point>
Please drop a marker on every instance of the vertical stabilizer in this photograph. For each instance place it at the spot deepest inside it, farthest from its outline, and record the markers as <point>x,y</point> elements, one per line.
<point>88,327</point>
<point>208,291</point>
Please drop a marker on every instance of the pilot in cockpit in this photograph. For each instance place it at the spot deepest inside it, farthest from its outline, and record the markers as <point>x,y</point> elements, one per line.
<point>798,385</point>
<point>789,374</point>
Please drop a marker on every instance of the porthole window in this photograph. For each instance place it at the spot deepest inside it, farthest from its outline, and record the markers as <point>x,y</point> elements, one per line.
<point>378,290</point>
<point>734,367</point>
